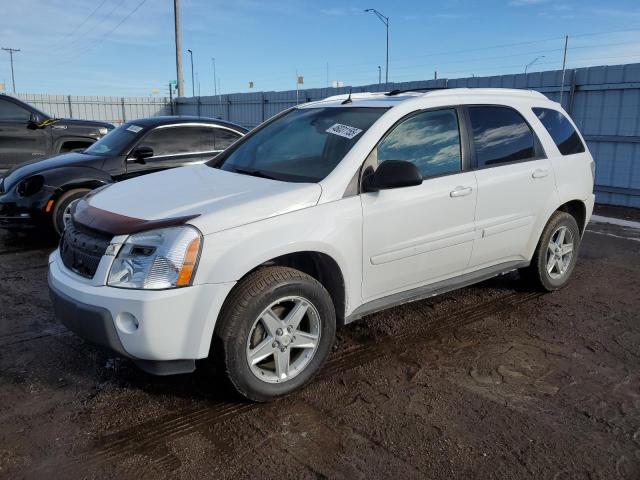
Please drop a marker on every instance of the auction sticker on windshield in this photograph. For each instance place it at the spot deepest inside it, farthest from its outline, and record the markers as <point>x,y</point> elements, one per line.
<point>134,128</point>
<point>343,130</point>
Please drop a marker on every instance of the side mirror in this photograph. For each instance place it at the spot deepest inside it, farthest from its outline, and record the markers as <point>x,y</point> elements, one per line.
<point>139,154</point>
<point>34,122</point>
<point>392,174</point>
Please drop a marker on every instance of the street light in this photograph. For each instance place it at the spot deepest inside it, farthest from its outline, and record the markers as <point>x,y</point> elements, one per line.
<point>384,20</point>
<point>215,89</point>
<point>193,83</point>
<point>532,62</point>
<point>379,75</point>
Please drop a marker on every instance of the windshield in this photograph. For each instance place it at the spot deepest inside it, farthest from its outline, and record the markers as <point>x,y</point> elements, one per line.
<point>304,145</point>
<point>116,141</point>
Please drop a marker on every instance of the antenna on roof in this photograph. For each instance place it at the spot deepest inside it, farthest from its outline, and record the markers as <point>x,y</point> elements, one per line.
<point>348,100</point>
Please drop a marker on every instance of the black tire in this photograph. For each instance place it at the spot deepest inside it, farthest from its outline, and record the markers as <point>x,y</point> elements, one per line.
<point>246,302</point>
<point>537,273</point>
<point>62,204</point>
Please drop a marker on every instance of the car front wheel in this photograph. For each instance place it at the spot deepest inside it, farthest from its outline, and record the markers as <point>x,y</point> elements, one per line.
<point>274,333</point>
<point>64,207</point>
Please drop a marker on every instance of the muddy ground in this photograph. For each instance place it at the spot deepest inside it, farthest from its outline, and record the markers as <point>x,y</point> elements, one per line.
<point>493,381</point>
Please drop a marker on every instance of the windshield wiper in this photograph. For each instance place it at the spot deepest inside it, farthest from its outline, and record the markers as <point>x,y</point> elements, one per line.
<point>254,173</point>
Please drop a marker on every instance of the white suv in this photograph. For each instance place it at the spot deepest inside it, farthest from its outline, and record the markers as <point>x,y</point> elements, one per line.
<point>323,214</point>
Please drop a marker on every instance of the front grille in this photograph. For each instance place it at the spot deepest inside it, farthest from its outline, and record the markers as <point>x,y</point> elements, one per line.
<point>81,249</point>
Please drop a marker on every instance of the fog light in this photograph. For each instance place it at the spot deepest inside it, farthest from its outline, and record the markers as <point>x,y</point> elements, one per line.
<point>127,323</point>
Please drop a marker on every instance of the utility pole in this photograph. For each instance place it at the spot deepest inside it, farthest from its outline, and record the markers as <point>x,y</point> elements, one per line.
<point>384,20</point>
<point>215,87</point>
<point>379,75</point>
<point>178,41</point>
<point>11,52</point>
<point>564,64</point>
<point>193,83</point>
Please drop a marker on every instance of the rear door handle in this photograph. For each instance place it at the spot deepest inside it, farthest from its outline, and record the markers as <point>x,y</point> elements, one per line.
<point>461,191</point>
<point>540,173</point>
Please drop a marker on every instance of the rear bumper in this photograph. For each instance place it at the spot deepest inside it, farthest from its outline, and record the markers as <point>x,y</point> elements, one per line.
<point>163,331</point>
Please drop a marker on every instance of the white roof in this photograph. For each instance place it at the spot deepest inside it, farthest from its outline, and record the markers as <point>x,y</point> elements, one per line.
<point>380,99</point>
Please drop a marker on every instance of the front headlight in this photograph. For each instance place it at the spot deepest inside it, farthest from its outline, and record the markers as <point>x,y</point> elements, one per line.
<point>157,259</point>
<point>103,131</point>
<point>30,186</point>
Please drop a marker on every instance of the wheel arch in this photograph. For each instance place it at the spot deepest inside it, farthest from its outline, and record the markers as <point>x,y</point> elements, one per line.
<point>578,210</point>
<point>80,141</point>
<point>323,268</point>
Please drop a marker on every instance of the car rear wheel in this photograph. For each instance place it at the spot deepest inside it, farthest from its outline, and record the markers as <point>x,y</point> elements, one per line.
<point>64,207</point>
<point>556,253</point>
<point>274,333</point>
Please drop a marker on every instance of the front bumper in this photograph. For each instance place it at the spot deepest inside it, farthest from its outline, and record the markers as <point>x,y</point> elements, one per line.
<point>25,212</point>
<point>163,331</point>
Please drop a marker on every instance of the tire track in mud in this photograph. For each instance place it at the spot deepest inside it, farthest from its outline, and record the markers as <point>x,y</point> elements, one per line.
<point>153,435</point>
<point>46,250</point>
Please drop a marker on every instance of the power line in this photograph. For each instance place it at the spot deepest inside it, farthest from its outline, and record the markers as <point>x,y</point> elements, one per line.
<point>100,38</point>
<point>72,33</point>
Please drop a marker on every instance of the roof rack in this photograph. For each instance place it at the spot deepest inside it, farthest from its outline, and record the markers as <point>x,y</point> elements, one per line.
<point>424,89</point>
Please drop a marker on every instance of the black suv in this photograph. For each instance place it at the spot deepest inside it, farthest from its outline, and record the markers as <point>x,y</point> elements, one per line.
<point>42,193</point>
<point>28,134</point>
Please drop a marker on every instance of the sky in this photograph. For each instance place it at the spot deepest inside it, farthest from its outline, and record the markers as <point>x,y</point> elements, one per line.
<point>126,47</point>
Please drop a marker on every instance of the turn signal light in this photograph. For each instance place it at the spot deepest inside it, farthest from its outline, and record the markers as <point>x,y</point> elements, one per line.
<point>189,265</point>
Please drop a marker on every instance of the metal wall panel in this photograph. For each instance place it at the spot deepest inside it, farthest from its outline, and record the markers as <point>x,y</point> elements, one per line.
<point>114,110</point>
<point>603,101</point>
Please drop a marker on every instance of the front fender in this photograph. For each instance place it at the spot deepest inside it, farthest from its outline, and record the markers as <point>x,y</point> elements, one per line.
<point>334,229</point>
<point>64,178</point>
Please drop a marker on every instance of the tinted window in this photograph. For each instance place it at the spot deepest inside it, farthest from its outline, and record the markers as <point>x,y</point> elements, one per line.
<point>177,140</point>
<point>430,140</point>
<point>500,135</point>
<point>564,135</point>
<point>224,138</point>
<point>9,111</point>
<point>303,145</point>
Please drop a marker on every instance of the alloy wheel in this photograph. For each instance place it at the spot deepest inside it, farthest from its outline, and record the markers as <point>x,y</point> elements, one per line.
<point>559,252</point>
<point>283,339</point>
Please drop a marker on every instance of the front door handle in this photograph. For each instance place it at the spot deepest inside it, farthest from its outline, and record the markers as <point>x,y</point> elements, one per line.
<point>461,192</point>
<point>540,173</point>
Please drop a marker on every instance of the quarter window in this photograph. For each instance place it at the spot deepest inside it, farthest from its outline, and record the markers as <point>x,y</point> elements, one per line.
<point>562,132</point>
<point>430,140</point>
<point>500,135</point>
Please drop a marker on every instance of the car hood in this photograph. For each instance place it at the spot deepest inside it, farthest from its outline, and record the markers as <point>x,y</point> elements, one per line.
<point>220,199</point>
<point>27,169</point>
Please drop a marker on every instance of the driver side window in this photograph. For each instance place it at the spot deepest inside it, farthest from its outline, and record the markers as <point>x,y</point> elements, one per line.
<point>10,112</point>
<point>430,140</point>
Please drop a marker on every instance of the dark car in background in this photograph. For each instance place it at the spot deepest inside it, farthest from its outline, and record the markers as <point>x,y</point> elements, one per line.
<point>42,193</point>
<point>28,134</point>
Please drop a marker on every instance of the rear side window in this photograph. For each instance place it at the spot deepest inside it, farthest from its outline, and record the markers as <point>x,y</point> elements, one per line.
<point>564,135</point>
<point>224,138</point>
<point>178,140</point>
<point>430,140</point>
<point>500,135</point>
